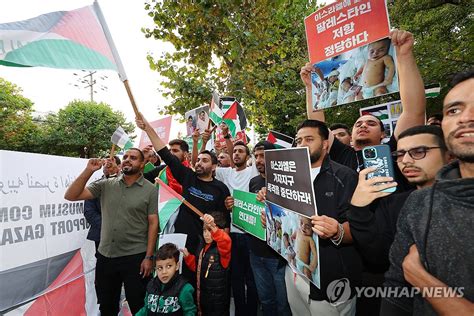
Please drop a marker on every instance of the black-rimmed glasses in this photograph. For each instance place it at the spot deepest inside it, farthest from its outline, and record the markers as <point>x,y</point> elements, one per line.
<point>416,153</point>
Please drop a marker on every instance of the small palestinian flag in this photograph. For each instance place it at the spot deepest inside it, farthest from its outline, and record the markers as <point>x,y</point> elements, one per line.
<point>168,203</point>
<point>232,120</point>
<point>432,91</point>
<point>280,140</point>
<point>121,139</point>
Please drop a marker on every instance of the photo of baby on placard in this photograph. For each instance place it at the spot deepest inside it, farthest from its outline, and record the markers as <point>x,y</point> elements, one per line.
<point>362,73</point>
<point>290,235</point>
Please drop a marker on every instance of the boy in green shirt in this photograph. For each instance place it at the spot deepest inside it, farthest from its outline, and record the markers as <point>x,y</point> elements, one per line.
<point>168,293</point>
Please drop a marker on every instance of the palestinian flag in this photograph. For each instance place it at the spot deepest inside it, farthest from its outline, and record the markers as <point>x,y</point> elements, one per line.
<point>280,140</point>
<point>77,39</point>
<point>232,120</point>
<point>121,139</point>
<point>227,102</point>
<point>432,91</point>
<point>215,113</point>
<point>168,203</point>
<point>381,114</point>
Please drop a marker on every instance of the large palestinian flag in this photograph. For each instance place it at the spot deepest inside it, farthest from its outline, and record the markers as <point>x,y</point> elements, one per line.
<point>77,39</point>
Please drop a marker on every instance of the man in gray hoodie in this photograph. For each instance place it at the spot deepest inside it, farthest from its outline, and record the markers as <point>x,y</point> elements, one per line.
<point>433,251</point>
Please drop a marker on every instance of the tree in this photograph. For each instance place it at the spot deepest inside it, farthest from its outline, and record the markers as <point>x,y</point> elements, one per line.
<point>17,129</point>
<point>253,50</point>
<point>83,128</point>
<point>444,33</point>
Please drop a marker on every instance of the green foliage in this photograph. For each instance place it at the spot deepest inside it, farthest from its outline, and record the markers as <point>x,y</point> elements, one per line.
<point>83,128</point>
<point>253,50</point>
<point>17,128</point>
<point>444,33</point>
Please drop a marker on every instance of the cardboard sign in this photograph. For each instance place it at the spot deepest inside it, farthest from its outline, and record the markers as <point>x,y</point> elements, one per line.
<point>288,176</point>
<point>246,213</point>
<point>162,128</point>
<point>345,25</point>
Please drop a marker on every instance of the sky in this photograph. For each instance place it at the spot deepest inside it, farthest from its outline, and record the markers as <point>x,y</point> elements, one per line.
<point>53,89</point>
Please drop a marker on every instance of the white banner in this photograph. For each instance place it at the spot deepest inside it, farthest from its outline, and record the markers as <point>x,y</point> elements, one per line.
<point>36,221</point>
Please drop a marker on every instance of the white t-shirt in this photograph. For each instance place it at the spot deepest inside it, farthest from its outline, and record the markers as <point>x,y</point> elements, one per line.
<point>314,173</point>
<point>239,180</point>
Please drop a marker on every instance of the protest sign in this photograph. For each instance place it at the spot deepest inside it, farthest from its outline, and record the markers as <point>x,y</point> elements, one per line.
<point>246,213</point>
<point>345,25</point>
<point>387,113</point>
<point>289,182</point>
<point>45,235</point>
<point>162,127</point>
<point>352,55</point>
<point>197,118</point>
<point>291,236</point>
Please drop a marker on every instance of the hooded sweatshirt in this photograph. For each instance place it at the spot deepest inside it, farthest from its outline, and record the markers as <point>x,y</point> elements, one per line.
<point>440,221</point>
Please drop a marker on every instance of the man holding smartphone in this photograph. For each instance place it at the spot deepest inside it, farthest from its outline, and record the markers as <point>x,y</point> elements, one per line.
<point>433,249</point>
<point>374,212</point>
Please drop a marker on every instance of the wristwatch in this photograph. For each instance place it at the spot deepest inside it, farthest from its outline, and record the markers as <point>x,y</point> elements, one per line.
<point>149,257</point>
<point>227,136</point>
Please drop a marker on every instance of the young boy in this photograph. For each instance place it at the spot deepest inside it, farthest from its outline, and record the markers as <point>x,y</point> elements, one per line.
<point>211,264</point>
<point>168,293</point>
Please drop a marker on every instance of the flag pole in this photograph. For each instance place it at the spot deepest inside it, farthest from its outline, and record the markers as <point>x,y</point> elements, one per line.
<point>118,61</point>
<point>112,151</point>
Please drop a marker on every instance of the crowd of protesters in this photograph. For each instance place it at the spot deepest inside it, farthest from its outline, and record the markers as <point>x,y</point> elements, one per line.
<point>416,244</point>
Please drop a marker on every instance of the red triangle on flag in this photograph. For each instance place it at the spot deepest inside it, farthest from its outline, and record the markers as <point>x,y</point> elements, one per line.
<point>231,113</point>
<point>271,138</point>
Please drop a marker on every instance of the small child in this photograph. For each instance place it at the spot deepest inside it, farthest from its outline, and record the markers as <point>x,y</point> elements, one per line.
<point>168,292</point>
<point>211,264</point>
<point>373,79</point>
<point>306,254</point>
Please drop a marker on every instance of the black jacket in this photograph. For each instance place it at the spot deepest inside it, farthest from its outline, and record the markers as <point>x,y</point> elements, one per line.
<point>373,229</point>
<point>333,187</point>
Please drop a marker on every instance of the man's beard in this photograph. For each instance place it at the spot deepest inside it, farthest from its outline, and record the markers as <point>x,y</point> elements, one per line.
<point>314,156</point>
<point>463,152</point>
<point>130,172</point>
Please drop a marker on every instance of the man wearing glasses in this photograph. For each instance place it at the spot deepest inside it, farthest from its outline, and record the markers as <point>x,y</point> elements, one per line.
<point>421,153</point>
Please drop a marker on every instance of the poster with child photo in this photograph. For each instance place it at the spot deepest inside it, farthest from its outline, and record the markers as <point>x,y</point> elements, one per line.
<point>291,236</point>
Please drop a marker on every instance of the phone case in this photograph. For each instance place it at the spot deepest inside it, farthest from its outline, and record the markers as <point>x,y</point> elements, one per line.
<point>379,156</point>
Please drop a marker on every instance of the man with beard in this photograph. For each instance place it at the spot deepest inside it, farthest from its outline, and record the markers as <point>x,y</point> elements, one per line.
<point>268,267</point>
<point>433,250</point>
<point>200,189</point>
<point>223,160</point>
<point>421,153</point>
<point>242,281</point>
<point>334,185</point>
<point>129,230</point>
<point>178,148</point>
<point>369,130</point>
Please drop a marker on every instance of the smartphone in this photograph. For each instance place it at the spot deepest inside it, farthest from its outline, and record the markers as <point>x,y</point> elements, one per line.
<point>379,156</point>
